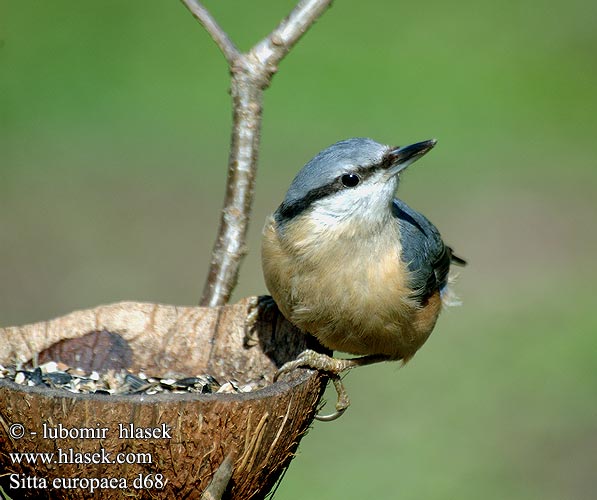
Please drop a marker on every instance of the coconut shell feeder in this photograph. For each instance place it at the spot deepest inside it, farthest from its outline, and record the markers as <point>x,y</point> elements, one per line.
<point>169,444</point>
<point>258,430</point>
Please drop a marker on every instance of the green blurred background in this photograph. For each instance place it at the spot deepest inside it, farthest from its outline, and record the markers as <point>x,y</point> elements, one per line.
<point>114,132</point>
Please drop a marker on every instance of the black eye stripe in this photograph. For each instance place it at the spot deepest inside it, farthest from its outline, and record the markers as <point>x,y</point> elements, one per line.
<point>287,211</point>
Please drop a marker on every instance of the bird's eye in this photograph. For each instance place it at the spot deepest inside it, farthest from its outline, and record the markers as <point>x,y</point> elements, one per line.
<point>350,180</point>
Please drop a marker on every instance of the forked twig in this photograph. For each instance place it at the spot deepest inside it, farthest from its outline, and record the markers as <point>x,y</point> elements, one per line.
<point>251,75</point>
<point>213,28</point>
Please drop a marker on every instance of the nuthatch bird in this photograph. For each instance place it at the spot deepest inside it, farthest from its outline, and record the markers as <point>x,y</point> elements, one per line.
<point>349,263</point>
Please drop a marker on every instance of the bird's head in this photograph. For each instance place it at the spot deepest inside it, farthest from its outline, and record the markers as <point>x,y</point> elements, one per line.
<point>354,179</point>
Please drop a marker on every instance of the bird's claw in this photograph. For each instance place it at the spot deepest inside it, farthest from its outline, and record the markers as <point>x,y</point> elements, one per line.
<point>258,307</point>
<point>333,367</point>
<point>342,403</point>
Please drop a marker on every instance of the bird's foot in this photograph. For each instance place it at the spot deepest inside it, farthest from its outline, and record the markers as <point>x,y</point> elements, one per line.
<point>258,307</point>
<point>333,367</point>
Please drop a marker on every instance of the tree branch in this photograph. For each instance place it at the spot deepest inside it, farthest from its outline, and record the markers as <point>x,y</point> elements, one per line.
<point>272,49</point>
<point>213,28</point>
<point>251,75</point>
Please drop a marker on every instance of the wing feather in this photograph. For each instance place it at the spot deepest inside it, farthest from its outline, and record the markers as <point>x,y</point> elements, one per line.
<point>426,255</point>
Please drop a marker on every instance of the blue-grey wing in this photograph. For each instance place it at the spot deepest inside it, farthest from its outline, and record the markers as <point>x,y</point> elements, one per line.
<point>427,257</point>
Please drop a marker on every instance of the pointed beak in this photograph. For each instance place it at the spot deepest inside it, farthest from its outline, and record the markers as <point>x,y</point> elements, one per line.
<point>402,157</point>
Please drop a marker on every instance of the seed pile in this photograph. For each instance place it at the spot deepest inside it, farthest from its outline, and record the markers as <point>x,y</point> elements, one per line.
<point>61,376</point>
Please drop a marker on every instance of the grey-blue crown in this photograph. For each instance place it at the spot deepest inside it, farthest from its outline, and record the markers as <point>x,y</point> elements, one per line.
<point>331,162</point>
